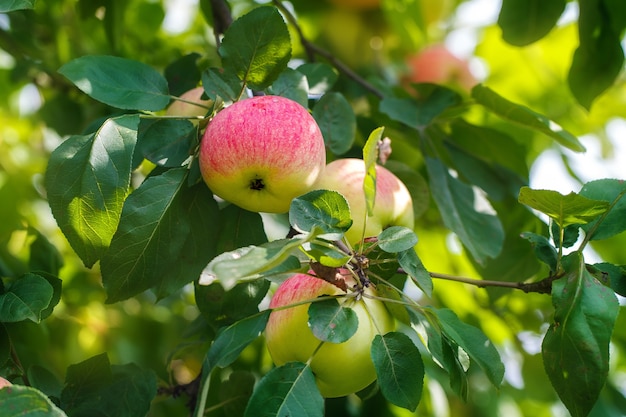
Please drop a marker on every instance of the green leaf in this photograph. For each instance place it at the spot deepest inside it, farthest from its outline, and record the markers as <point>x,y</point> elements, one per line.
<point>292,85</point>
<point>396,307</point>
<point>611,191</point>
<point>5,345</point>
<point>87,180</point>
<point>223,84</point>
<point>331,322</point>
<point>235,392</point>
<point>564,209</point>
<point>12,5</point>
<point>612,275</point>
<point>576,347</point>
<point>337,121</point>
<point>233,340</point>
<point>118,82</point>
<point>161,241</point>
<point>544,251</point>
<point>57,287</point>
<point>399,368</point>
<point>599,58</point>
<point>517,261</point>
<point>616,11</point>
<point>471,219</point>
<point>257,47</point>
<point>455,363</point>
<point>44,380</point>
<point>490,145</point>
<point>415,183</point>
<point>239,228</point>
<point>27,402</point>
<point>94,387</point>
<point>222,308</point>
<point>328,256</point>
<point>166,142</point>
<point>370,158</point>
<point>474,342</point>
<point>114,22</point>
<point>44,256</point>
<point>570,234</point>
<point>183,74</point>
<point>526,21</point>
<point>396,239</point>
<point>26,299</point>
<point>286,391</point>
<point>131,392</point>
<point>323,209</point>
<point>413,266</point>
<point>525,117</point>
<point>321,76</point>
<point>381,264</point>
<point>419,113</point>
<point>497,181</point>
<point>84,380</point>
<point>252,262</point>
<point>446,352</point>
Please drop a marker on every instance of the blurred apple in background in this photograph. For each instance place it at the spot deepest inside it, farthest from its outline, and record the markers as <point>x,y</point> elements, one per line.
<point>262,152</point>
<point>393,205</point>
<point>180,108</point>
<point>436,64</point>
<point>339,368</point>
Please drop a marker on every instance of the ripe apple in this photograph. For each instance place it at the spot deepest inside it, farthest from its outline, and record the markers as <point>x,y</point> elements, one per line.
<point>436,64</point>
<point>262,152</point>
<point>393,205</point>
<point>339,368</point>
<point>183,109</point>
<point>4,383</point>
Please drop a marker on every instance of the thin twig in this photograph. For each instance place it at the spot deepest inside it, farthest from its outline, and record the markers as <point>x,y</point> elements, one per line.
<point>543,286</point>
<point>18,364</point>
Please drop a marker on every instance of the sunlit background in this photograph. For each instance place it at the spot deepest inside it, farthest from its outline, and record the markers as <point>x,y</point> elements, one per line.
<point>31,127</point>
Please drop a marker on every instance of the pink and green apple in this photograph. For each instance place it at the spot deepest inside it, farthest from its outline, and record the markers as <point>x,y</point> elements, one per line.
<point>186,108</point>
<point>339,368</point>
<point>393,205</point>
<point>262,152</point>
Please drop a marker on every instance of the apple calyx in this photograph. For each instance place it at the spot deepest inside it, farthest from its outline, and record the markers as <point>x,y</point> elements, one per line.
<point>257,184</point>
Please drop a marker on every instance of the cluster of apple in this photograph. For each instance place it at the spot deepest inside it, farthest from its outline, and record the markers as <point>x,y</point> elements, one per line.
<point>262,152</point>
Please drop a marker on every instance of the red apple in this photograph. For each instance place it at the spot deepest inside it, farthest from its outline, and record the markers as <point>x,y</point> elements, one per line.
<point>436,64</point>
<point>183,109</point>
<point>393,205</point>
<point>339,368</point>
<point>262,152</point>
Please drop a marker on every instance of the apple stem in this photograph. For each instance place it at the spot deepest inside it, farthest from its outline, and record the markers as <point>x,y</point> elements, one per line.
<point>409,301</point>
<point>319,346</point>
<point>309,301</point>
